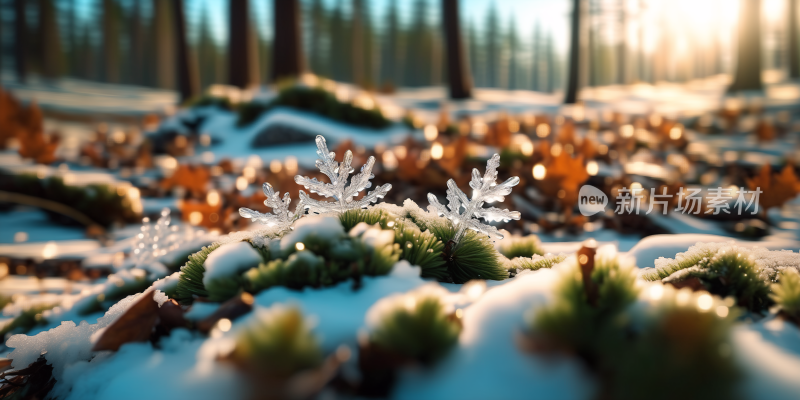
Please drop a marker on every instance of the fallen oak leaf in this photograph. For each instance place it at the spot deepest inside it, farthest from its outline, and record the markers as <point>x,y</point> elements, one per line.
<point>136,324</point>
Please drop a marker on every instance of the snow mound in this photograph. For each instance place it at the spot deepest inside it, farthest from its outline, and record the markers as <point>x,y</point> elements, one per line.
<point>320,226</point>
<point>230,259</point>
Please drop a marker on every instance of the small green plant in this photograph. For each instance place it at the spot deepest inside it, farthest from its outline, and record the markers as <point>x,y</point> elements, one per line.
<point>786,293</point>
<point>318,101</point>
<point>423,332</point>
<point>526,246</point>
<point>278,341</point>
<point>190,283</point>
<point>422,249</point>
<point>26,320</point>
<point>353,217</point>
<point>574,318</point>
<point>536,262</point>
<point>101,203</point>
<point>474,258</point>
<point>728,271</point>
<point>324,261</point>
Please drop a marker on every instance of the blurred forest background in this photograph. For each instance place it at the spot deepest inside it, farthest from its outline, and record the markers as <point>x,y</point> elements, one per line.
<point>386,44</point>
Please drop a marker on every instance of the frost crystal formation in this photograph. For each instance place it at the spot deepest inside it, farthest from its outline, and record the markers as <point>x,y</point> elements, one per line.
<point>281,217</point>
<point>155,240</point>
<point>341,192</point>
<point>484,190</point>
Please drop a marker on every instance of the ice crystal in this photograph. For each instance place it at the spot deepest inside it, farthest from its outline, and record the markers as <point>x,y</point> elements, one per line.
<point>281,217</point>
<point>484,190</point>
<point>155,240</point>
<point>339,189</point>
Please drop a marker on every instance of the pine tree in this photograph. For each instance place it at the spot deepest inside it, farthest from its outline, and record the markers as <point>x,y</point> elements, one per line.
<point>185,66</point>
<point>492,36</point>
<point>207,52</point>
<point>20,40</point>
<point>240,56</point>
<point>392,51</point>
<point>457,66</point>
<point>513,48</point>
<point>571,95</point>
<point>51,56</point>
<point>748,57</point>
<point>162,42</point>
<point>138,58</point>
<point>418,66</point>
<point>536,70</point>
<point>287,60</point>
<point>316,54</point>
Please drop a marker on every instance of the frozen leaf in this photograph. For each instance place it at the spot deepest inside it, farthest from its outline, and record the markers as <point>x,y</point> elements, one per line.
<point>280,217</point>
<point>338,173</point>
<point>484,190</point>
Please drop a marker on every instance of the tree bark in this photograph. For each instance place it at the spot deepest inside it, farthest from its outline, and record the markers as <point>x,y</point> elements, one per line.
<point>20,41</point>
<point>185,65</point>
<point>458,74</point>
<point>50,40</point>
<point>240,56</point>
<point>794,61</point>
<point>571,96</point>
<point>748,57</point>
<point>287,56</point>
<point>110,43</point>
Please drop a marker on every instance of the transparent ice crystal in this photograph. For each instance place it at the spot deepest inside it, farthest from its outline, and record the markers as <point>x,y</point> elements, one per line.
<point>338,189</point>
<point>281,218</point>
<point>484,190</point>
<point>155,240</point>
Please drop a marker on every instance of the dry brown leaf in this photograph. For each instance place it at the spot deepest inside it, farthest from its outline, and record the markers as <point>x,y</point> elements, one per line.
<point>134,325</point>
<point>192,177</point>
<point>776,189</point>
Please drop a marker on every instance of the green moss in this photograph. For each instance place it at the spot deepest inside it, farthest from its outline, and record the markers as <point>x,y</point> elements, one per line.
<point>421,248</point>
<point>26,320</point>
<point>209,101</point>
<point>101,203</point>
<point>537,263</point>
<point>473,258</point>
<point>424,333</point>
<point>190,283</point>
<point>525,246</point>
<point>318,101</point>
<point>325,261</point>
<point>729,273</point>
<point>571,319</point>
<point>786,293</point>
<point>278,341</point>
<point>690,260</point>
<point>351,218</point>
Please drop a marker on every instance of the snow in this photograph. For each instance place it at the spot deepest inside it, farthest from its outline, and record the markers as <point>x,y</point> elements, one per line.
<point>320,226</point>
<point>487,353</point>
<point>373,236</point>
<point>65,344</point>
<point>339,310</point>
<point>650,248</point>
<point>769,354</point>
<point>229,260</point>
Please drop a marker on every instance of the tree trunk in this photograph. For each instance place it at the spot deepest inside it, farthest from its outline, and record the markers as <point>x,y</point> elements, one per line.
<point>240,56</point>
<point>110,43</point>
<point>458,74</point>
<point>357,42</point>
<point>185,66</point>
<point>20,41</point>
<point>571,96</point>
<point>748,57</point>
<point>794,61</point>
<point>50,40</point>
<point>162,39</point>
<point>287,56</point>
<point>621,49</point>
<point>137,53</point>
